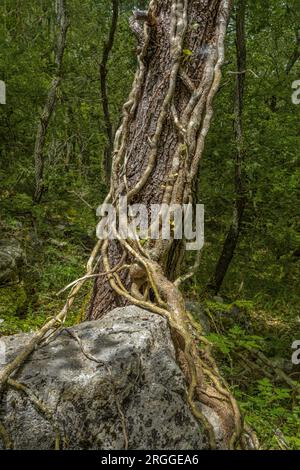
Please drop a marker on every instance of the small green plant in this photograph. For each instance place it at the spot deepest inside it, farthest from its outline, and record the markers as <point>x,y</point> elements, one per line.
<point>271,410</point>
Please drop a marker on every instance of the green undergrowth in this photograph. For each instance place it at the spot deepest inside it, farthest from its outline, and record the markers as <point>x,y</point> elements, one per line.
<point>238,332</point>
<point>57,239</point>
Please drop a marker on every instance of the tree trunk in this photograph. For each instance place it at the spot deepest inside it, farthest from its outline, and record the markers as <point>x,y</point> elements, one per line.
<point>156,155</point>
<point>108,45</point>
<point>232,237</point>
<point>50,103</point>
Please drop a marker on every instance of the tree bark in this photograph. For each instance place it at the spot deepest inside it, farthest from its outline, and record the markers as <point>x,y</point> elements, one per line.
<point>50,103</point>
<point>233,234</point>
<point>155,160</point>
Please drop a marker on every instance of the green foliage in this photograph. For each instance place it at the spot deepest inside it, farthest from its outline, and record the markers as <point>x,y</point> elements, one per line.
<point>59,233</point>
<point>270,407</point>
<point>236,339</point>
<point>12,301</point>
<point>271,411</point>
<point>260,306</point>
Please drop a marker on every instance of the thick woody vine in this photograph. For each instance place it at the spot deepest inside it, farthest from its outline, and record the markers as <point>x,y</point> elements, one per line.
<point>146,271</point>
<point>149,287</point>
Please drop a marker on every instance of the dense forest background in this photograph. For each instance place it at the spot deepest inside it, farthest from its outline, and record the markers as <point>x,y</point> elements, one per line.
<point>255,317</point>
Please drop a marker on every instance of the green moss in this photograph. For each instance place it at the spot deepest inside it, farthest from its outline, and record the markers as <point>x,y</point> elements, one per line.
<point>13,306</point>
<point>218,306</point>
<point>12,300</point>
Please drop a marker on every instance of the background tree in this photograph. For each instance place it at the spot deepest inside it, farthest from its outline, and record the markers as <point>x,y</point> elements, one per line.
<point>62,20</point>
<point>232,237</point>
<point>108,45</point>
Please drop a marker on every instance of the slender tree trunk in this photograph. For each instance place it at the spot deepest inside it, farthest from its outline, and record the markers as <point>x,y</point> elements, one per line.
<point>233,234</point>
<point>104,93</point>
<point>156,155</point>
<point>50,102</point>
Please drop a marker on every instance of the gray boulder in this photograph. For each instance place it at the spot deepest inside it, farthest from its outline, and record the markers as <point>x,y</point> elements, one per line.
<point>101,383</point>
